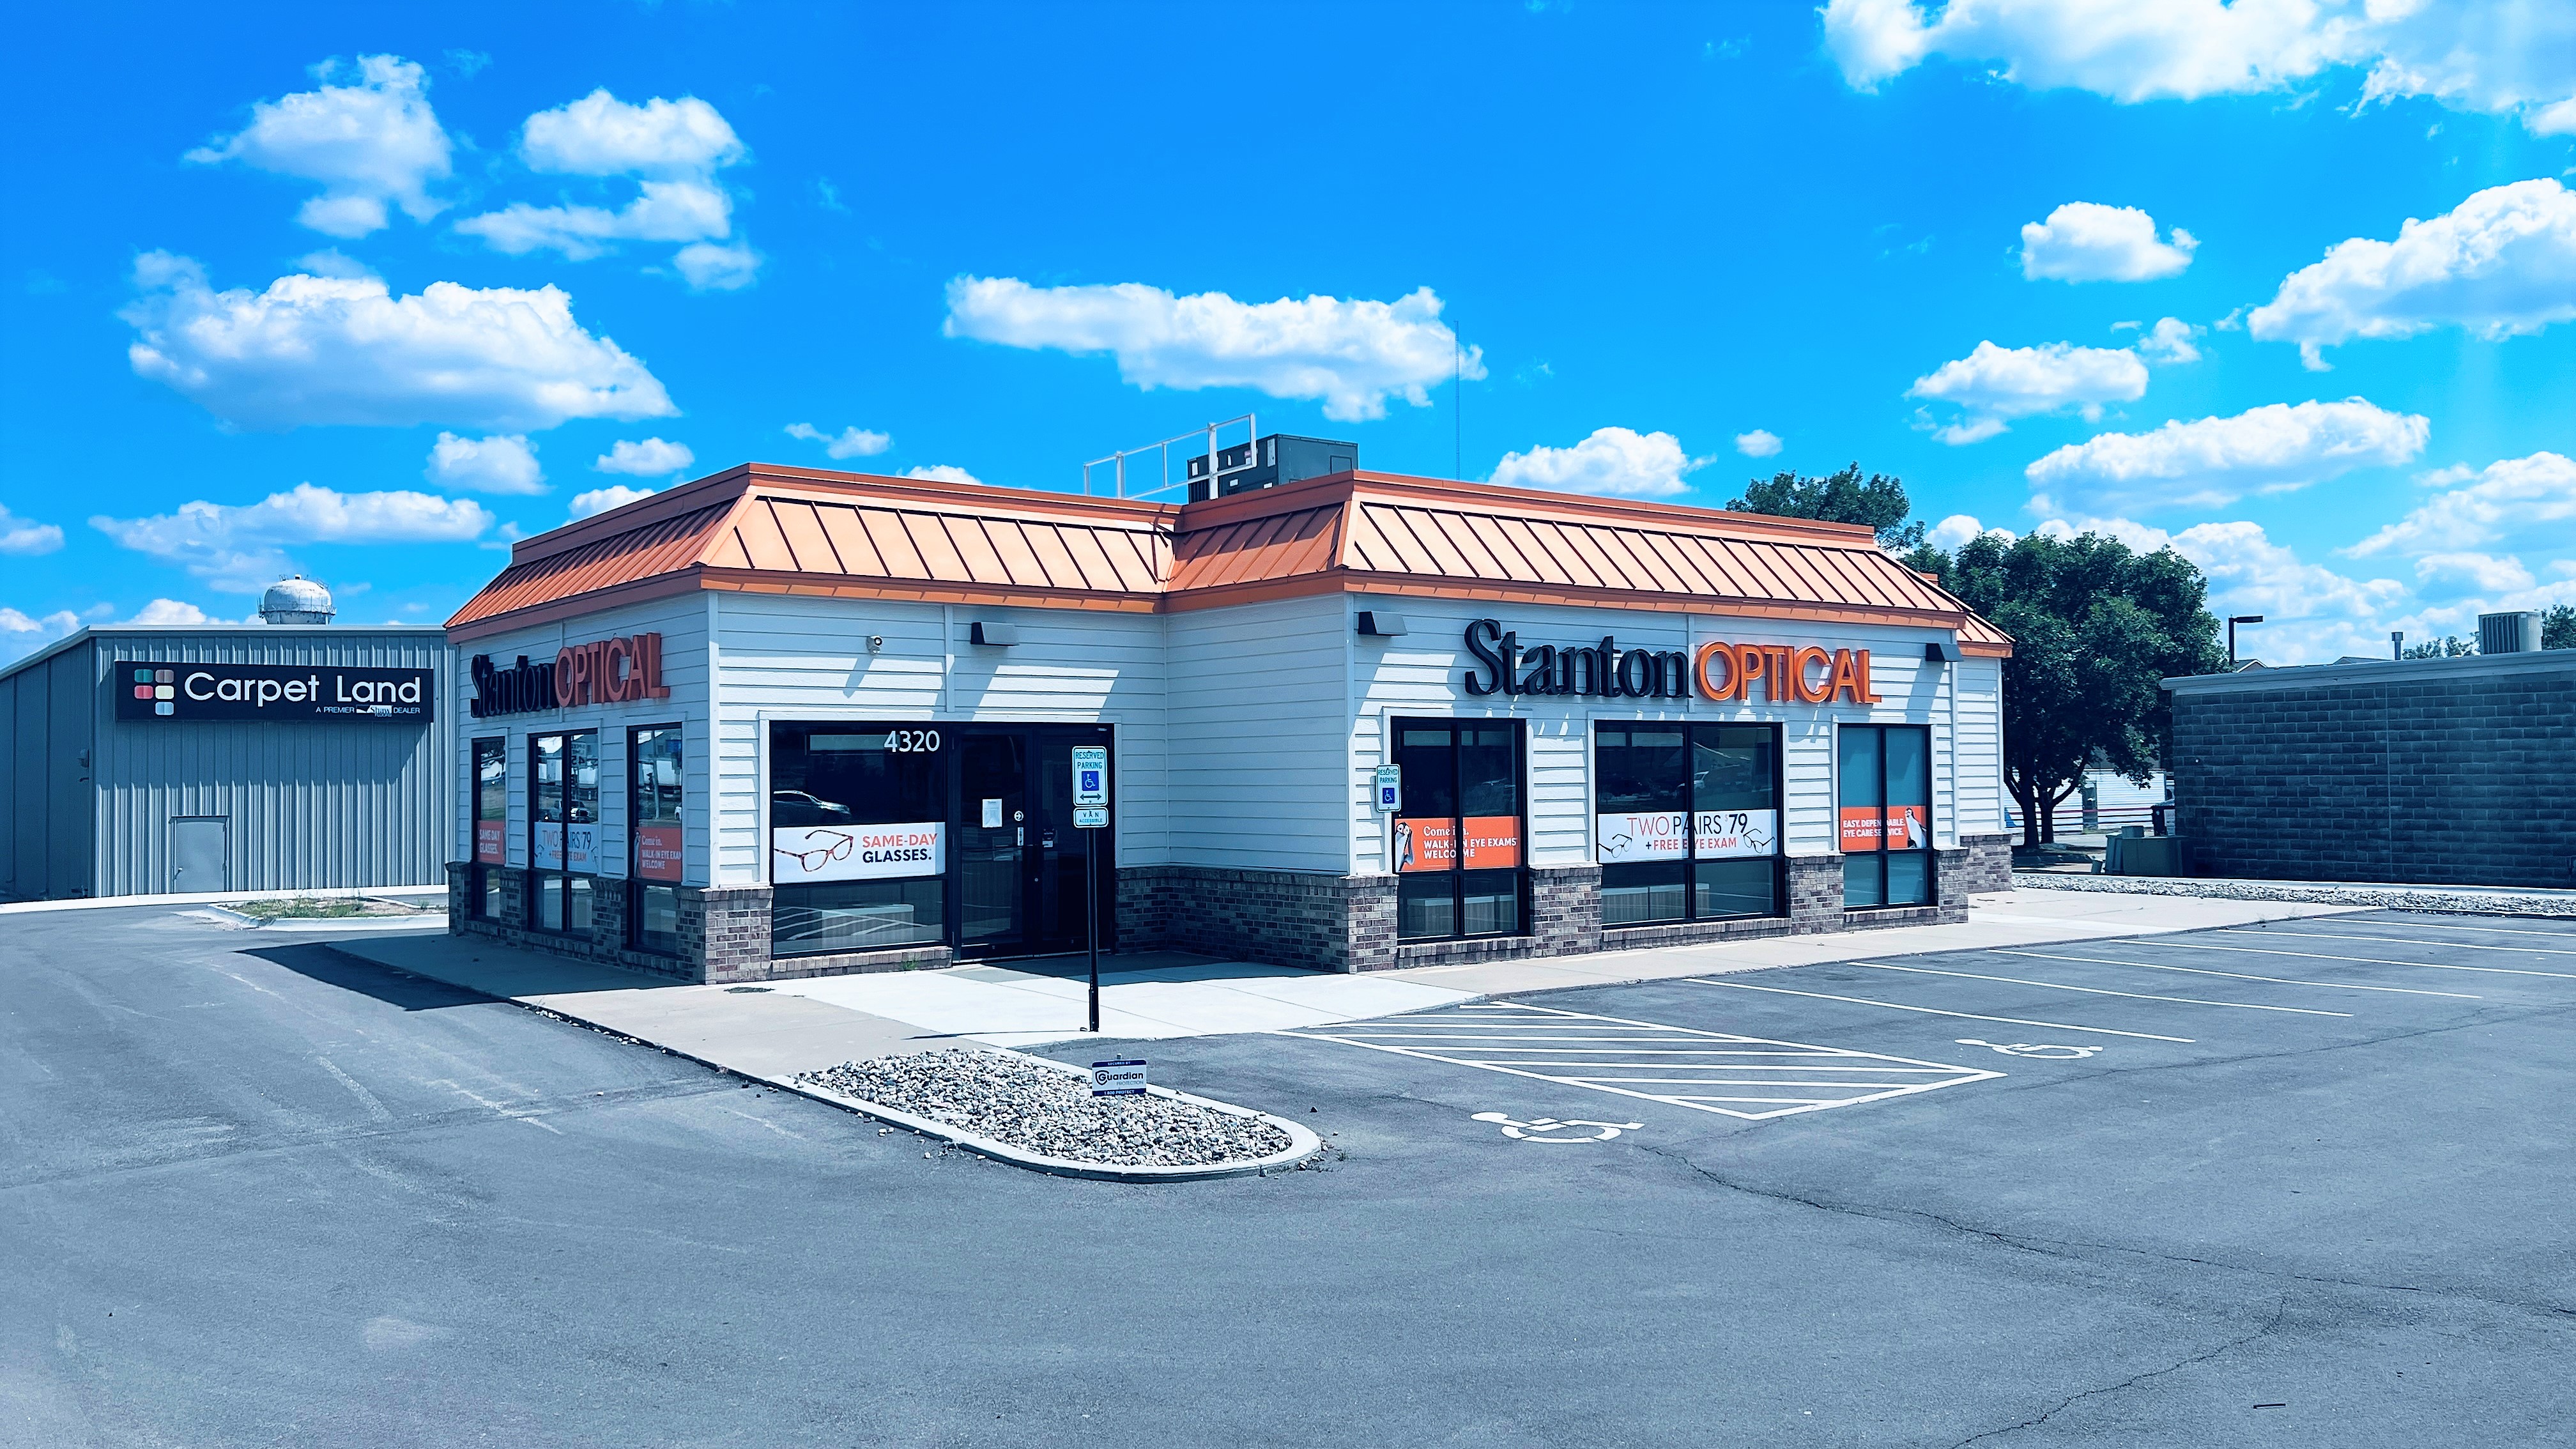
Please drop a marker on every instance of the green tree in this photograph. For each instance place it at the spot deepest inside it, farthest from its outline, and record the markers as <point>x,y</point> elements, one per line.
<point>1845,497</point>
<point>2558,628</point>
<point>2447,647</point>
<point>2096,627</point>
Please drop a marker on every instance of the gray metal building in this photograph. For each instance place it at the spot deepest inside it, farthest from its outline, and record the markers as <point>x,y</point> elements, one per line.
<point>276,757</point>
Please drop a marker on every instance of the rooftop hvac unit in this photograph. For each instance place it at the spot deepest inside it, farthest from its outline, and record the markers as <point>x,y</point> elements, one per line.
<point>1268,462</point>
<point>2509,633</point>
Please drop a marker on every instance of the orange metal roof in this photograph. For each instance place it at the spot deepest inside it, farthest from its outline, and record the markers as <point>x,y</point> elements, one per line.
<point>795,530</point>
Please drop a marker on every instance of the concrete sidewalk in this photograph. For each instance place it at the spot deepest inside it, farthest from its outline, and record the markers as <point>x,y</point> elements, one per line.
<point>795,1026</point>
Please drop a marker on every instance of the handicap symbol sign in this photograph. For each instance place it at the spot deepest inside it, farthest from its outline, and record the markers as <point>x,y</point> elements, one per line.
<point>2043,1051</point>
<point>1549,1129</point>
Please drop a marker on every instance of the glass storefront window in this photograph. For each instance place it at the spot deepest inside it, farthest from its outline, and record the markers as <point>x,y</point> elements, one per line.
<point>656,855</point>
<point>491,794</point>
<point>1458,851</point>
<point>858,824</point>
<point>1686,821</point>
<point>563,829</point>
<point>1883,806</point>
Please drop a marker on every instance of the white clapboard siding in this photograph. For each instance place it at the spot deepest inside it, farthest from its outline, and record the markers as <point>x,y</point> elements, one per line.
<point>1259,774</point>
<point>784,657</point>
<point>682,623</point>
<point>1421,672</point>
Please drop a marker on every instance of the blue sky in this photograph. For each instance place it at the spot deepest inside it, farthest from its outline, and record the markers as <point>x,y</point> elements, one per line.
<point>363,295</point>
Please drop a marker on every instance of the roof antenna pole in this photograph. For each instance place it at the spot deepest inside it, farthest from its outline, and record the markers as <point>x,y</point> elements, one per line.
<point>1458,405</point>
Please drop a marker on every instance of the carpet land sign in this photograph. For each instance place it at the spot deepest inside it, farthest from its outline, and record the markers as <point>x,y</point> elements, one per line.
<point>150,689</point>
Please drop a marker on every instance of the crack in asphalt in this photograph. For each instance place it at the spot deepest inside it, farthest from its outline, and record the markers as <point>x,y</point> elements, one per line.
<point>2278,1310</point>
<point>2070,1248</point>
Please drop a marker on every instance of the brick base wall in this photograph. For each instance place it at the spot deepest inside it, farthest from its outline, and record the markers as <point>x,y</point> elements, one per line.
<point>1988,866</point>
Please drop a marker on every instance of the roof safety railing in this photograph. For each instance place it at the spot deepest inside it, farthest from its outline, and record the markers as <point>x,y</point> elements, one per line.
<point>1117,462</point>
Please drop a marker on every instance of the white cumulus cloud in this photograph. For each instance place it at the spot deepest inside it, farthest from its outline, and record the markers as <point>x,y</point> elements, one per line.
<point>600,500</point>
<point>318,350</point>
<point>943,473</point>
<point>1993,385</point>
<point>1760,443</point>
<point>1617,461</point>
<point>2212,461</point>
<point>2500,263</point>
<point>26,536</point>
<point>22,633</point>
<point>853,442</point>
<point>242,548</point>
<point>600,135</point>
<point>501,463</point>
<point>2497,57</point>
<point>1352,355</point>
<point>368,143</point>
<point>649,458</point>
<point>1958,529</point>
<point>2450,575</point>
<point>674,150</point>
<point>2170,341</point>
<point>2084,241</point>
<point>2517,499</point>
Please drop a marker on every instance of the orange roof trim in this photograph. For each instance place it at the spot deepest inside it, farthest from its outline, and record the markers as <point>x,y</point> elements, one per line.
<point>764,529</point>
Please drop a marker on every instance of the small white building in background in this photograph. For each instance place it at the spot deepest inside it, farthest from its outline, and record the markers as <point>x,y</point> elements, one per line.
<point>786,722</point>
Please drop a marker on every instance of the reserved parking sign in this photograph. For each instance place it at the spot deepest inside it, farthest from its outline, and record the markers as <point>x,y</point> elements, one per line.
<point>1118,1079</point>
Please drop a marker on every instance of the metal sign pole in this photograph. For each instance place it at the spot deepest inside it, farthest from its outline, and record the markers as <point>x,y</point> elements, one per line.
<point>1091,814</point>
<point>1091,916</point>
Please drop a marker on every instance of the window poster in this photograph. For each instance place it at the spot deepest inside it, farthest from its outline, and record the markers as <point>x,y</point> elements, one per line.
<point>805,854</point>
<point>549,846</point>
<point>581,847</point>
<point>1425,843</point>
<point>1730,834</point>
<point>657,852</point>
<point>1493,842</point>
<point>490,837</point>
<point>1909,827</point>
<point>1628,836</point>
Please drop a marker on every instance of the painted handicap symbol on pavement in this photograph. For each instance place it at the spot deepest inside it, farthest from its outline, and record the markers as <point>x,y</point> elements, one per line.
<point>2027,1049</point>
<point>1534,1129</point>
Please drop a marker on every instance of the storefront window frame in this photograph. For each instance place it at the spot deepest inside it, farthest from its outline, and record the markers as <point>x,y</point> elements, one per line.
<point>641,893</point>
<point>1688,873</point>
<point>483,877</point>
<point>917,892</point>
<point>1872,874</point>
<point>1462,901</point>
<point>572,893</point>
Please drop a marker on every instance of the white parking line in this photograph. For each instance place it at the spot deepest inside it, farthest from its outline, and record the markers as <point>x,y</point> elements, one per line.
<point>2453,926</point>
<point>2095,990</point>
<point>1534,1037</point>
<point>2239,975</point>
<point>2402,941</point>
<point>2370,960</point>
<point>1937,1011</point>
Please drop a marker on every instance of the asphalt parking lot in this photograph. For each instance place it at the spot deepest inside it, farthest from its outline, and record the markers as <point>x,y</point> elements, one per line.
<point>2299,1184</point>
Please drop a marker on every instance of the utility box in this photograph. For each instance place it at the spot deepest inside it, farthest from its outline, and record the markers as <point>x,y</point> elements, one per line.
<point>1269,462</point>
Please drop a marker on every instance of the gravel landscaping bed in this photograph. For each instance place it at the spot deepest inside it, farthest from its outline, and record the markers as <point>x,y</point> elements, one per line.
<point>2395,898</point>
<point>1044,1110</point>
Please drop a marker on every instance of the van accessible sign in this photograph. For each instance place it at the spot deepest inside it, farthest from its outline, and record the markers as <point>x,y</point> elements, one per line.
<point>148,689</point>
<point>1791,673</point>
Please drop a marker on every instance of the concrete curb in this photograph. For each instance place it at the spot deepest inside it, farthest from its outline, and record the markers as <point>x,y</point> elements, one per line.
<point>1302,1143</point>
<point>327,923</point>
<point>2433,899</point>
<point>210,898</point>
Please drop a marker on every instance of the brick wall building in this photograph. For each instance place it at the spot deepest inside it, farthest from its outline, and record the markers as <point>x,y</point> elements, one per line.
<point>2432,771</point>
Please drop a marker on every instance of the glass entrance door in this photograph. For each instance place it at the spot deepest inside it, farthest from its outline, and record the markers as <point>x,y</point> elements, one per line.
<point>992,840</point>
<point>1020,859</point>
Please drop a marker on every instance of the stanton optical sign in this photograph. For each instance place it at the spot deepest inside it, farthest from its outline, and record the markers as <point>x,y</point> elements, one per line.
<point>1792,674</point>
<point>150,689</point>
<point>606,671</point>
